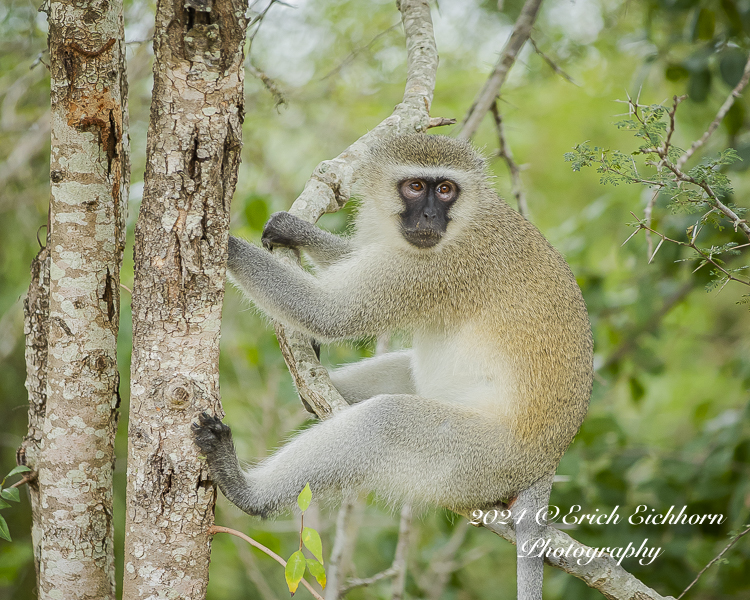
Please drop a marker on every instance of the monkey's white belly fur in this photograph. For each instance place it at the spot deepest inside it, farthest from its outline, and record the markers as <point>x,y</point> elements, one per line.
<point>455,368</point>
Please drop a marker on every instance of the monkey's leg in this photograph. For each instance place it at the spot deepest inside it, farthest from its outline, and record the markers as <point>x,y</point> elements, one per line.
<point>404,447</point>
<point>388,373</point>
<point>531,507</point>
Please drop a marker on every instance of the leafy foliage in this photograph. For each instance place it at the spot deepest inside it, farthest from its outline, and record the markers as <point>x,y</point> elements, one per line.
<point>656,164</point>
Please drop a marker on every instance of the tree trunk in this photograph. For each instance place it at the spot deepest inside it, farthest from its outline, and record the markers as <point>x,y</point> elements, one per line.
<point>193,154</point>
<point>72,310</point>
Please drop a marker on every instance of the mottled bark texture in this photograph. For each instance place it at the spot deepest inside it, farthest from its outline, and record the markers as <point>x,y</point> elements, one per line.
<point>73,306</point>
<point>36,330</point>
<point>193,154</point>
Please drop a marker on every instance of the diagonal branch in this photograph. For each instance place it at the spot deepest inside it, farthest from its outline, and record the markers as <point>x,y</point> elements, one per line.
<point>736,93</point>
<point>491,89</point>
<point>330,186</point>
<point>602,573</point>
<point>506,154</point>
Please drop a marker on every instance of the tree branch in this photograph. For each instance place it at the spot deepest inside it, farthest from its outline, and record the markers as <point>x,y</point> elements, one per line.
<point>736,92</point>
<point>329,189</point>
<point>491,89</point>
<point>602,573</point>
<point>506,154</point>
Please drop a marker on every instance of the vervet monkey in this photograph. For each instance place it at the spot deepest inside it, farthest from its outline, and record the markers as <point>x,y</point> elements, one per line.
<point>482,407</point>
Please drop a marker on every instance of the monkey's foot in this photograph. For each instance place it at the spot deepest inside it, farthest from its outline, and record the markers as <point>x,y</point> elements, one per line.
<point>210,434</point>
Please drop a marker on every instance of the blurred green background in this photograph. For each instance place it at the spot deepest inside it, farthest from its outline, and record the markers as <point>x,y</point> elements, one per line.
<point>668,423</point>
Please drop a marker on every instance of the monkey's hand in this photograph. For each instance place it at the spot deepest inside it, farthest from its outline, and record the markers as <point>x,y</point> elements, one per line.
<point>211,435</point>
<point>215,441</point>
<point>287,231</point>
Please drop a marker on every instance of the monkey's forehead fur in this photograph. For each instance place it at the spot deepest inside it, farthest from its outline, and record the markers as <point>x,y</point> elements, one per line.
<point>428,152</point>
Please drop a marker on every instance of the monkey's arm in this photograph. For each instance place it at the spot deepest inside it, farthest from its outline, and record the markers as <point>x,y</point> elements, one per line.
<point>291,295</point>
<point>384,374</point>
<point>284,229</point>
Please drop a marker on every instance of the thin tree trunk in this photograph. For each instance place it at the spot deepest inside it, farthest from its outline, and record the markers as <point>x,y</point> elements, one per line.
<point>72,309</point>
<point>193,154</point>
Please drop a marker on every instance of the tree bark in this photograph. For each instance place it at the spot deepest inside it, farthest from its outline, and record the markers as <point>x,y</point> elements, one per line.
<point>193,155</point>
<point>72,309</point>
<point>36,330</point>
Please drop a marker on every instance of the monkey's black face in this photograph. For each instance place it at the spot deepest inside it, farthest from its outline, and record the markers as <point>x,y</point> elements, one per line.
<point>426,203</point>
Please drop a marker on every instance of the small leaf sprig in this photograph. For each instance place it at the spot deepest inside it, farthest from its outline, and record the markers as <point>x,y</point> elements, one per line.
<point>298,563</point>
<point>10,494</point>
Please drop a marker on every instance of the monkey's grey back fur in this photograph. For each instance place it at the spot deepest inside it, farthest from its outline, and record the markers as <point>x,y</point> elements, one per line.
<point>484,405</point>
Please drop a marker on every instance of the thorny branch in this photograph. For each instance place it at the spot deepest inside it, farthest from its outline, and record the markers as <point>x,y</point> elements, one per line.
<point>491,89</point>
<point>706,256</point>
<point>663,152</point>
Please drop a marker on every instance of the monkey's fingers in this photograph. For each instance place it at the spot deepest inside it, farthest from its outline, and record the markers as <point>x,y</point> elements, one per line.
<point>209,433</point>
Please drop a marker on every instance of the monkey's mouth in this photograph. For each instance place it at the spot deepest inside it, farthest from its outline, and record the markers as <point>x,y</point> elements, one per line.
<point>422,238</point>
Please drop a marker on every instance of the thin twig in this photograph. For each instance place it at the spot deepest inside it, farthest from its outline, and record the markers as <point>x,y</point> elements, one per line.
<point>736,92</point>
<point>269,83</point>
<point>691,244</point>
<point>355,582</point>
<point>733,541</point>
<point>399,557</point>
<point>506,154</point>
<point>258,19</point>
<point>214,529</point>
<point>491,89</point>
<point>553,65</point>
<point>442,565</point>
<point>347,524</point>
<point>28,478</point>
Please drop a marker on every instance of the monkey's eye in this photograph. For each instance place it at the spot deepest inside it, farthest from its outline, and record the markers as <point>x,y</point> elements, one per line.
<point>445,191</point>
<point>412,189</point>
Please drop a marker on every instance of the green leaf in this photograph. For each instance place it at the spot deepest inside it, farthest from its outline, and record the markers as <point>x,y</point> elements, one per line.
<point>705,25</point>
<point>311,540</point>
<point>4,504</point>
<point>318,571</point>
<point>304,498</point>
<point>19,469</point>
<point>295,570</point>
<point>4,531</point>
<point>11,494</point>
